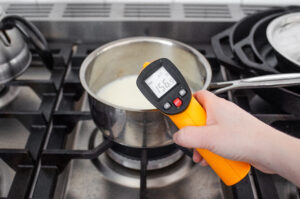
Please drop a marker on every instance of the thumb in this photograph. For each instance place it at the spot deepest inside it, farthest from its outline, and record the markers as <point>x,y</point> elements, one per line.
<point>196,137</point>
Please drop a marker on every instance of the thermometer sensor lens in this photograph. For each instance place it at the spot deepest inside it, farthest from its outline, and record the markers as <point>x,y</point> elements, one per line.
<point>160,82</point>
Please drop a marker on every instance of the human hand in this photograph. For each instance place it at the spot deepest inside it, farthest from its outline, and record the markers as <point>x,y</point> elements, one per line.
<point>230,132</point>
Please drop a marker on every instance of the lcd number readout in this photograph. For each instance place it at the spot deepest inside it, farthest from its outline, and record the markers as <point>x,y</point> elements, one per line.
<point>160,82</point>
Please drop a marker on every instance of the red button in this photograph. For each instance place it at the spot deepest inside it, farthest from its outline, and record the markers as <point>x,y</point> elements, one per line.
<point>177,102</point>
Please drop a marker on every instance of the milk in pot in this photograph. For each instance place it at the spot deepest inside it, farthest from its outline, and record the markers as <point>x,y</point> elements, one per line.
<point>124,92</point>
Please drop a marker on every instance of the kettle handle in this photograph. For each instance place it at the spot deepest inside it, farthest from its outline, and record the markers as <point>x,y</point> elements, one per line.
<point>32,34</point>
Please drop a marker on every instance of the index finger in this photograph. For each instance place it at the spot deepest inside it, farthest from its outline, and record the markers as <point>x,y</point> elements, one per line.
<point>204,97</point>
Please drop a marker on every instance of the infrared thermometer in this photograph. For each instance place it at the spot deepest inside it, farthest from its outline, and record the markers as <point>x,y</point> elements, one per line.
<point>165,87</point>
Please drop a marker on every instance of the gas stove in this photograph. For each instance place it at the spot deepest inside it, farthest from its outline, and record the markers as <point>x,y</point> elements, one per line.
<point>49,145</point>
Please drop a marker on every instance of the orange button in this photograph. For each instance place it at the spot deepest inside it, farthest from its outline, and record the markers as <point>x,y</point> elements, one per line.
<point>177,102</point>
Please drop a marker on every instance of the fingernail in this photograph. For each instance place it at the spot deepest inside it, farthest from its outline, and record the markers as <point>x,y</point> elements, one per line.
<point>195,159</point>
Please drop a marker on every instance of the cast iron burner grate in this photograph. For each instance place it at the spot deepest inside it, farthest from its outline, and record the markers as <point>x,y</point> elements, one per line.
<point>48,150</point>
<point>24,161</point>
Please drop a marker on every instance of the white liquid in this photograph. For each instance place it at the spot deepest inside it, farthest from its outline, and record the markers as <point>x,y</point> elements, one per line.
<point>124,92</point>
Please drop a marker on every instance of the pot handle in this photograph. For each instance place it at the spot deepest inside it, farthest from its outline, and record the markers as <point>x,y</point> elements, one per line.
<point>32,34</point>
<point>265,81</point>
<point>218,48</point>
<point>259,64</point>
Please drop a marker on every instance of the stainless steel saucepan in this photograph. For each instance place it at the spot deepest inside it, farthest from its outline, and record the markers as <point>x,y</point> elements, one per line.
<point>141,128</point>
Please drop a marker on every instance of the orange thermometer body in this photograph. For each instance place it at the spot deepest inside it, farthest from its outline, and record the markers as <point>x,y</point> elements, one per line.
<point>164,86</point>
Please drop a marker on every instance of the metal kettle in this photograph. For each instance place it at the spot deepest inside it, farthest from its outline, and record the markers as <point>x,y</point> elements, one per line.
<point>15,56</point>
<point>16,34</point>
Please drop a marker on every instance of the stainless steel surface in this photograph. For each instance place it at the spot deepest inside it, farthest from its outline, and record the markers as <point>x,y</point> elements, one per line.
<point>283,33</point>
<point>15,56</point>
<point>12,133</point>
<point>126,125</point>
<point>152,164</point>
<point>6,178</point>
<point>111,21</point>
<point>183,180</point>
<point>265,81</point>
<point>8,95</point>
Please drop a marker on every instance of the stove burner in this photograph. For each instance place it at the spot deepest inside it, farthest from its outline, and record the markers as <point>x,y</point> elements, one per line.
<point>8,94</point>
<point>123,166</point>
<point>152,164</point>
<point>130,157</point>
<point>131,178</point>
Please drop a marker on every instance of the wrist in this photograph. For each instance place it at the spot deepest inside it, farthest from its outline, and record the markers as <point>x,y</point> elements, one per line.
<point>280,154</point>
<point>267,147</point>
<point>286,159</point>
<point>275,148</point>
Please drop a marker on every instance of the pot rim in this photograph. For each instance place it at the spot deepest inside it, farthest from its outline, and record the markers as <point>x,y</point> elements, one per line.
<point>120,42</point>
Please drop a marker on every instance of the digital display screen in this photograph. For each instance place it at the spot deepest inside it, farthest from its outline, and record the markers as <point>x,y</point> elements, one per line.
<point>160,82</point>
